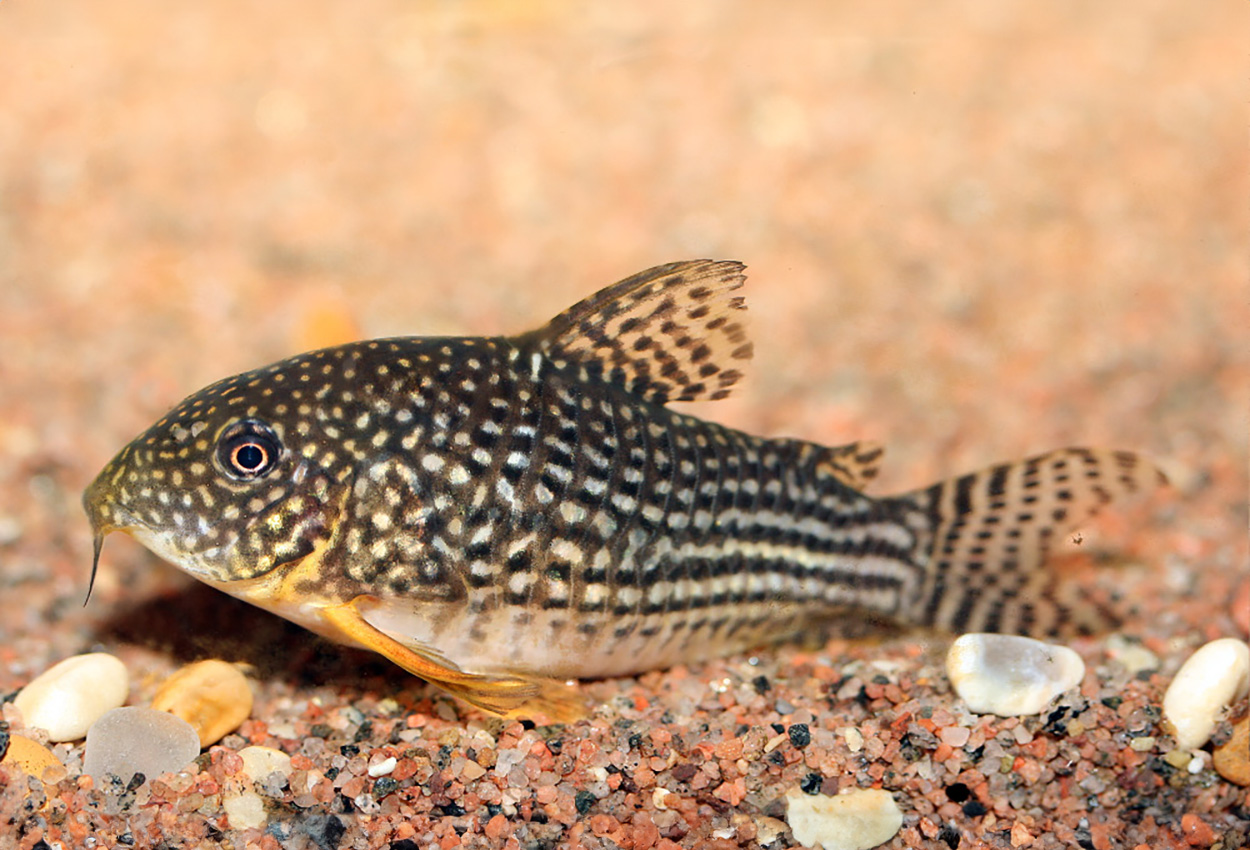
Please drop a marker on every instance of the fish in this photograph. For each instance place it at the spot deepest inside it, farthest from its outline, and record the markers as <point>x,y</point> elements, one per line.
<point>503,516</point>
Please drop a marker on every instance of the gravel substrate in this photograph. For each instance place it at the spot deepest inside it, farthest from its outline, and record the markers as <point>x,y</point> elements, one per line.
<point>973,231</point>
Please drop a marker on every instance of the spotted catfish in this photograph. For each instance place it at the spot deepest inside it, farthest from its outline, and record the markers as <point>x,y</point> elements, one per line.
<point>496,515</point>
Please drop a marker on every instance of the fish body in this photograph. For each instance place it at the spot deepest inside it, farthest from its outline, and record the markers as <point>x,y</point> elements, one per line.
<point>498,514</point>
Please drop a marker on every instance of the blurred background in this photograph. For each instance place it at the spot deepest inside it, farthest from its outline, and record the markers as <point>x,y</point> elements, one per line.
<point>975,229</point>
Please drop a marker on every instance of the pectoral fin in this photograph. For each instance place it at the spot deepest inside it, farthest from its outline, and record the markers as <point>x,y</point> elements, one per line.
<point>506,695</point>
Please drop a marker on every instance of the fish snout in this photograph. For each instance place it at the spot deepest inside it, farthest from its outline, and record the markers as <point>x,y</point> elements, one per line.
<point>104,509</point>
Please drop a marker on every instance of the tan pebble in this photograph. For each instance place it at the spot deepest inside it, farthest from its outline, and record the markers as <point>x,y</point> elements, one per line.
<point>68,697</point>
<point>1208,682</point>
<point>213,696</point>
<point>261,762</point>
<point>245,810</point>
<point>1232,760</point>
<point>1179,759</point>
<point>30,757</point>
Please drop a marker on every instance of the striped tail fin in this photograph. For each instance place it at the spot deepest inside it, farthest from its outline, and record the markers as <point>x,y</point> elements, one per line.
<point>993,529</point>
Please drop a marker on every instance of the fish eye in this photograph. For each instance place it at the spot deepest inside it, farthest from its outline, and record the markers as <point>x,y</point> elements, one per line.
<point>248,449</point>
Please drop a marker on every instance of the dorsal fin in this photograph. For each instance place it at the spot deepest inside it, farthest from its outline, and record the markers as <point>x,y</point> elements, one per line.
<point>854,464</point>
<point>670,333</point>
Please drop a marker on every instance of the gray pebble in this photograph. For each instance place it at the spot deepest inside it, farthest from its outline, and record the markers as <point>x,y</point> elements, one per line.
<point>131,740</point>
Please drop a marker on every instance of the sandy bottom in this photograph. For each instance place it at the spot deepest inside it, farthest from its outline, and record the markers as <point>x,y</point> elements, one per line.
<point>975,232</point>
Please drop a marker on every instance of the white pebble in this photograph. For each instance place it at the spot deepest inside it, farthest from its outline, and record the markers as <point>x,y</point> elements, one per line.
<point>1133,657</point>
<point>1215,676</point>
<point>855,820</point>
<point>245,810</point>
<point>1009,675</point>
<point>382,768</point>
<point>259,763</point>
<point>131,740</point>
<point>68,697</point>
<point>853,737</point>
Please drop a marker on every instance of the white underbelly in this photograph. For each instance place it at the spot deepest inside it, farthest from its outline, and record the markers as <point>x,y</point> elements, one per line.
<point>547,643</point>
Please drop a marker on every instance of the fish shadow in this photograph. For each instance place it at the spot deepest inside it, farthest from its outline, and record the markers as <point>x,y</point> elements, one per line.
<point>197,622</point>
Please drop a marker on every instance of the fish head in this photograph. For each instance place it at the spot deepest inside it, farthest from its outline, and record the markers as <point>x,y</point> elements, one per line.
<point>236,481</point>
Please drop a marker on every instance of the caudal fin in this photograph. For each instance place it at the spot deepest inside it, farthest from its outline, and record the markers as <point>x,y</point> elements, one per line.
<point>993,529</point>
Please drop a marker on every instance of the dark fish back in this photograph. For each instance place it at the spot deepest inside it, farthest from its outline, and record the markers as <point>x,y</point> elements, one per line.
<point>587,514</point>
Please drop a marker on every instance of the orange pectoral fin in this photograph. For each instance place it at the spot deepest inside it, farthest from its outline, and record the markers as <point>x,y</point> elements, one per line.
<point>507,695</point>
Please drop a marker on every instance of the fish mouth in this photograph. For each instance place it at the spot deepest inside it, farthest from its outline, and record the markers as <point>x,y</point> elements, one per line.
<point>109,515</point>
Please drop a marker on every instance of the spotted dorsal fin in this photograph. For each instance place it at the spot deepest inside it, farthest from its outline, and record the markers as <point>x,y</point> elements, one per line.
<point>671,333</point>
<point>855,464</point>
